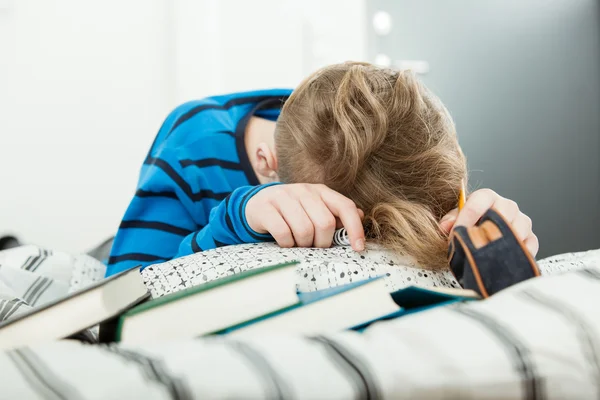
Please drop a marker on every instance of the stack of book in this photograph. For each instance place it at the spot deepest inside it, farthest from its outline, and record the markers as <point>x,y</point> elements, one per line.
<point>256,302</point>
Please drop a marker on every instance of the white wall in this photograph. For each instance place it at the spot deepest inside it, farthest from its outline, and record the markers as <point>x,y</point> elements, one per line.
<point>262,43</point>
<point>84,86</point>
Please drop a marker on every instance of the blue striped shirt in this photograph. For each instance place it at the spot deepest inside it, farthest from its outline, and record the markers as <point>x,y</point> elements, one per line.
<point>195,182</point>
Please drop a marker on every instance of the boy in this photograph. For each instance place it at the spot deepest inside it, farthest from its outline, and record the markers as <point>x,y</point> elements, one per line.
<point>211,179</point>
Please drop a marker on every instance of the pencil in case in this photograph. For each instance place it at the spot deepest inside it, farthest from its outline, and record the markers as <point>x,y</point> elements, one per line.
<point>488,257</point>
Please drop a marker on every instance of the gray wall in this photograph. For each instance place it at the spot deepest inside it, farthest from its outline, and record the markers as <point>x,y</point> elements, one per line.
<point>522,81</point>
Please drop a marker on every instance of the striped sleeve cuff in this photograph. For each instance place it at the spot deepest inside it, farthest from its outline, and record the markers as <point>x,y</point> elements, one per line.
<point>235,215</point>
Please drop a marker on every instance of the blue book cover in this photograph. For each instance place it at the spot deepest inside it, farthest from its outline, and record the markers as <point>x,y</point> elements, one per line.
<point>403,312</point>
<point>415,299</point>
<point>416,296</point>
<point>409,300</point>
<point>311,297</point>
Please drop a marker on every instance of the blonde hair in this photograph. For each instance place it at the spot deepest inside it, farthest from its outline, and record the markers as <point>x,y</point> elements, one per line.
<point>382,139</point>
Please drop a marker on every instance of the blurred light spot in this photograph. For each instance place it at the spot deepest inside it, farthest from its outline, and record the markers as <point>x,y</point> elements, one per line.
<point>382,23</point>
<point>383,60</point>
<point>417,66</point>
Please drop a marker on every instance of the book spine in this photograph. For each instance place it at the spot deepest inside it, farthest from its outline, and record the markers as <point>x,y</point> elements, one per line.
<point>109,330</point>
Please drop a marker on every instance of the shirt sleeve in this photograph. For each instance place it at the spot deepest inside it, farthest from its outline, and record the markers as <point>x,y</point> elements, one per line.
<point>227,224</point>
<point>162,221</point>
<point>158,218</point>
<point>175,202</point>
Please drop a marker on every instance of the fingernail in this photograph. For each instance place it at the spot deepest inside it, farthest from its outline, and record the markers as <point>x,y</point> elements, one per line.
<point>360,244</point>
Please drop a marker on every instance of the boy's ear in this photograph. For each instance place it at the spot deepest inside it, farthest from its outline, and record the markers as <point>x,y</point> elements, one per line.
<point>266,162</point>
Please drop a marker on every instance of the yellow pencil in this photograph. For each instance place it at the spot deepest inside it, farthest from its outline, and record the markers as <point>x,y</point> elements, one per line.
<point>461,197</point>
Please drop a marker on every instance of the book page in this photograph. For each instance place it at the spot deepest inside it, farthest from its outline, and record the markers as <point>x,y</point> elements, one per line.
<point>322,268</point>
<point>318,268</point>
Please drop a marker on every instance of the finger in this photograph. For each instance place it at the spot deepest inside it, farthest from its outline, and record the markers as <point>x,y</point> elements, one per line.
<point>532,243</point>
<point>277,227</point>
<point>323,221</point>
<point>338,222</point>
<point>508,209</point>
<point>346,211</point>
<point>299,223</point>
<point>447,222</point>
<point>476,205</point>
<point>522,226</point>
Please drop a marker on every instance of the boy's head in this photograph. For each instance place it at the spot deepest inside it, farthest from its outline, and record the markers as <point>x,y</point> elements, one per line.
<point>382,139</point>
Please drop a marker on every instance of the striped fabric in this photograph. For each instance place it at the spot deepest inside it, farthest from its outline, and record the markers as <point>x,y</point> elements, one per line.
<point>537,340</point>
<point>197,160</point>
<point>32,276</point>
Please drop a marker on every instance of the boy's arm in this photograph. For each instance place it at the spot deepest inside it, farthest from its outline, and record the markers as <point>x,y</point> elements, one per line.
<point>157,219</point>
<point>158,224</point>
<point>173,202</point>
<point>301,215</point>
<point>227,224</point>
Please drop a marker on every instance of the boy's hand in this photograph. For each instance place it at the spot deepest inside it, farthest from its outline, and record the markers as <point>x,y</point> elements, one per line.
<point>482,200</point>
<point>305,215</point>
